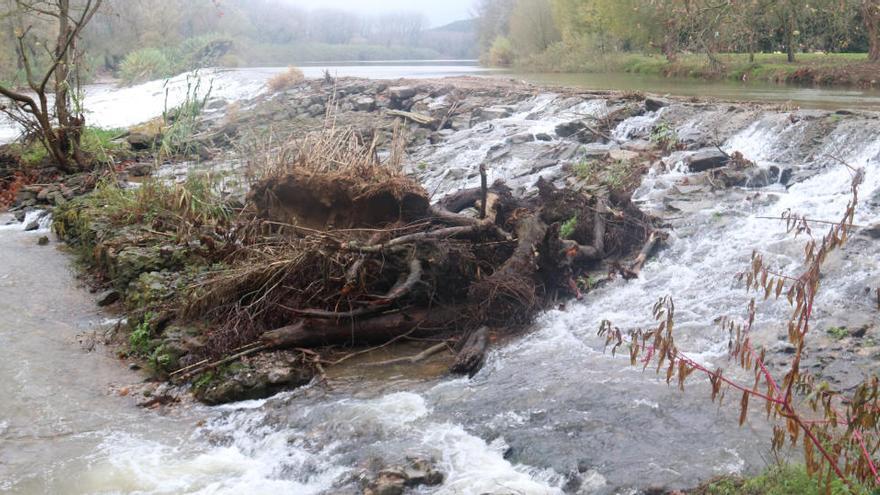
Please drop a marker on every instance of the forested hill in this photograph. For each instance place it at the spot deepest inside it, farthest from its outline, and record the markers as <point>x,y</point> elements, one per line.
<point>146,39</point>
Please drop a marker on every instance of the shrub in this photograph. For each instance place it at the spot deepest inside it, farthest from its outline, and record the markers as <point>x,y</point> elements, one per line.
<point>501,52</point>
<point>145,64</point>
<point>285,80</point>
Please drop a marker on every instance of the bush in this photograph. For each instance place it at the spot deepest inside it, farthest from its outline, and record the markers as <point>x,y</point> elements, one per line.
<point>144,65</point>
<point>501,52</point>
<point>285,80</point>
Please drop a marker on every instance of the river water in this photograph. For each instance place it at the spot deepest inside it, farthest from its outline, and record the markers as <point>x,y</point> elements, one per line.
<point>549,413</point>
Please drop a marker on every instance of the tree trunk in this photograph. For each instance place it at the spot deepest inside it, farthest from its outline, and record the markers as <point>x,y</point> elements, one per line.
<point>790,27</point>
<point>871,15</point>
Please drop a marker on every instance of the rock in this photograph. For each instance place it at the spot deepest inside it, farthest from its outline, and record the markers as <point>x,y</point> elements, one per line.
<point>489,113</point>
<point>140,141</point>
<point>107,297</point>
<point>622,155</point>
<point>873,231</point>
<point>706,159</point>
<point>19,215</point>
<point>140,169</point>
<point>639,145</point>
<point>388,482</point>
<point>421,472</point>
<point>567,129</point>
<point>521,138</point>
<point>401,93</point>
<point>33,225</point>
<point>653,104</point>
<point>316,109</point>
<point>543,136</point>
<point>43,241</point>
<point>365,104</point>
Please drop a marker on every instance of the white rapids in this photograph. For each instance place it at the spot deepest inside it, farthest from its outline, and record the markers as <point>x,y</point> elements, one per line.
<point>550,413</point>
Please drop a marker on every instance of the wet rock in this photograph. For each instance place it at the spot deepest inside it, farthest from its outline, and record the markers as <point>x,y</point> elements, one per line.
<point>316,109</point>
<point>489,113</point>
<point>388,482</point>
<point>521,138</point>
<point>706,159</point>
<point>622,155</point>
<point>365,104</point>
<point>33,225</point>
<point>107,297</point>
<point>652,104</point>
<point>401,93</point>
<point>259,378</point>
<point>873,231</point>
<point>140,141</point>
<point>140,169</point>
<point>568,129</point>
<point>395,480</point>
<point>639,146</point>
<point>43,241</point>
<point>543,136</point>
<point>19,215</point>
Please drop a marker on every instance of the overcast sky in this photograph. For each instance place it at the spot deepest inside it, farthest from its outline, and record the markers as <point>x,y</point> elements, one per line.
<point>438,12</point>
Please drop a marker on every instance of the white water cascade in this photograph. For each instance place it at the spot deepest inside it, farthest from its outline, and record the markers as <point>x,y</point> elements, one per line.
<point>551,412</point>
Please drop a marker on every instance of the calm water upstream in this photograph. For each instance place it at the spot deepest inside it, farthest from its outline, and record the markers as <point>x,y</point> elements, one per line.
<point>549,409</point>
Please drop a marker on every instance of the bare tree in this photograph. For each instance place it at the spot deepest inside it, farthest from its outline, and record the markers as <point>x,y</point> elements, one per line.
<point>58,126</point>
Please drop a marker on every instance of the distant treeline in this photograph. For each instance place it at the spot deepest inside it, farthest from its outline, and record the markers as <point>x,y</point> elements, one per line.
<point>512,31</point>
<point>151,38</point>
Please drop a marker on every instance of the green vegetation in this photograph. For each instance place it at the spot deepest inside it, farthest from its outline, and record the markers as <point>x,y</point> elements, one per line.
<point>665,136</point>
<point>98,145</point>
<point>567,228</point>
<point>838,333</point>
<point>144,65</point>
<point>816,42</point>
<point>181,122</point>
<point>780,480</point>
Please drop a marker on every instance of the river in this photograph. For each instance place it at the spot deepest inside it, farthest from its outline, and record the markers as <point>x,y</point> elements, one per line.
<point>549,413</point>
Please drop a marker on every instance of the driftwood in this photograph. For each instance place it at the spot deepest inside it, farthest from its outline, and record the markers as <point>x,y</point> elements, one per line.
<point>434,349</point>
<point>472,354</point>
<point>418,118</point>
<point>322,332</point>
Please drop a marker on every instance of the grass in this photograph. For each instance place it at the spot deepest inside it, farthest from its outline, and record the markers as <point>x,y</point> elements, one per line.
<point>809,68</point>
<point>780,480</point>
<point>838,333</point>
<point>285,80</point>
<point>97,143</point>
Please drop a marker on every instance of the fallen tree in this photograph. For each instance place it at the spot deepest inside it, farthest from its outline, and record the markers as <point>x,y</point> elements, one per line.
<point>345,250</point>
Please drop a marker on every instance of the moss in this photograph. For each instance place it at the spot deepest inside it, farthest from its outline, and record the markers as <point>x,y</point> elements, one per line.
<point>779,480</point>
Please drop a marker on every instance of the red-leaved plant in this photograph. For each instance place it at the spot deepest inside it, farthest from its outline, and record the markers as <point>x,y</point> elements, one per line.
<point>838,432</point>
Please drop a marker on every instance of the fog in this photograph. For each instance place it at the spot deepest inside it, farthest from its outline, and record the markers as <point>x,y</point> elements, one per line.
<point>438,12</point>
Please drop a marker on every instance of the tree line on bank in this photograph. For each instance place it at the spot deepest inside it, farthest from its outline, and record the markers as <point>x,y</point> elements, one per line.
<point>514,30</point>
<point>166,36</point>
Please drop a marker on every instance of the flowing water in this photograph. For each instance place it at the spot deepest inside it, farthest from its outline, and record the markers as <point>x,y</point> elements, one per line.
<point>549,413</point>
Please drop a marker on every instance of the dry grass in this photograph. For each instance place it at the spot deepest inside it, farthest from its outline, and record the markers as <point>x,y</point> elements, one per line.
<point>285,80</point>
<point>332,150</point>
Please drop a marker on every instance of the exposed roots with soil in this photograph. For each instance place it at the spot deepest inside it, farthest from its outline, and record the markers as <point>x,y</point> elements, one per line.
<point>348,251</point>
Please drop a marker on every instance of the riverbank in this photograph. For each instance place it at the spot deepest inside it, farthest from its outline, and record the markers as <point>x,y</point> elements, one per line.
<point>809,69</point>
<point>547,436</point>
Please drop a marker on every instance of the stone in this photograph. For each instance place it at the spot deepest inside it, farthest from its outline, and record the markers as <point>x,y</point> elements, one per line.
<point>421,472</point>
<point>489,113</point>
<point>521,138</point>
<point>568,129</point>
<point>140,169</point>
<point>107,297</point>
<point>365,104</point>
<point>706,159</point>
<point>140,141</point>
<point>622,155</point>
<point>43,241</point>
<point>653,104</point>
<point>401,93</point>
<point>543,136</point>
<point>33,225</point>
<point>316,109</point>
